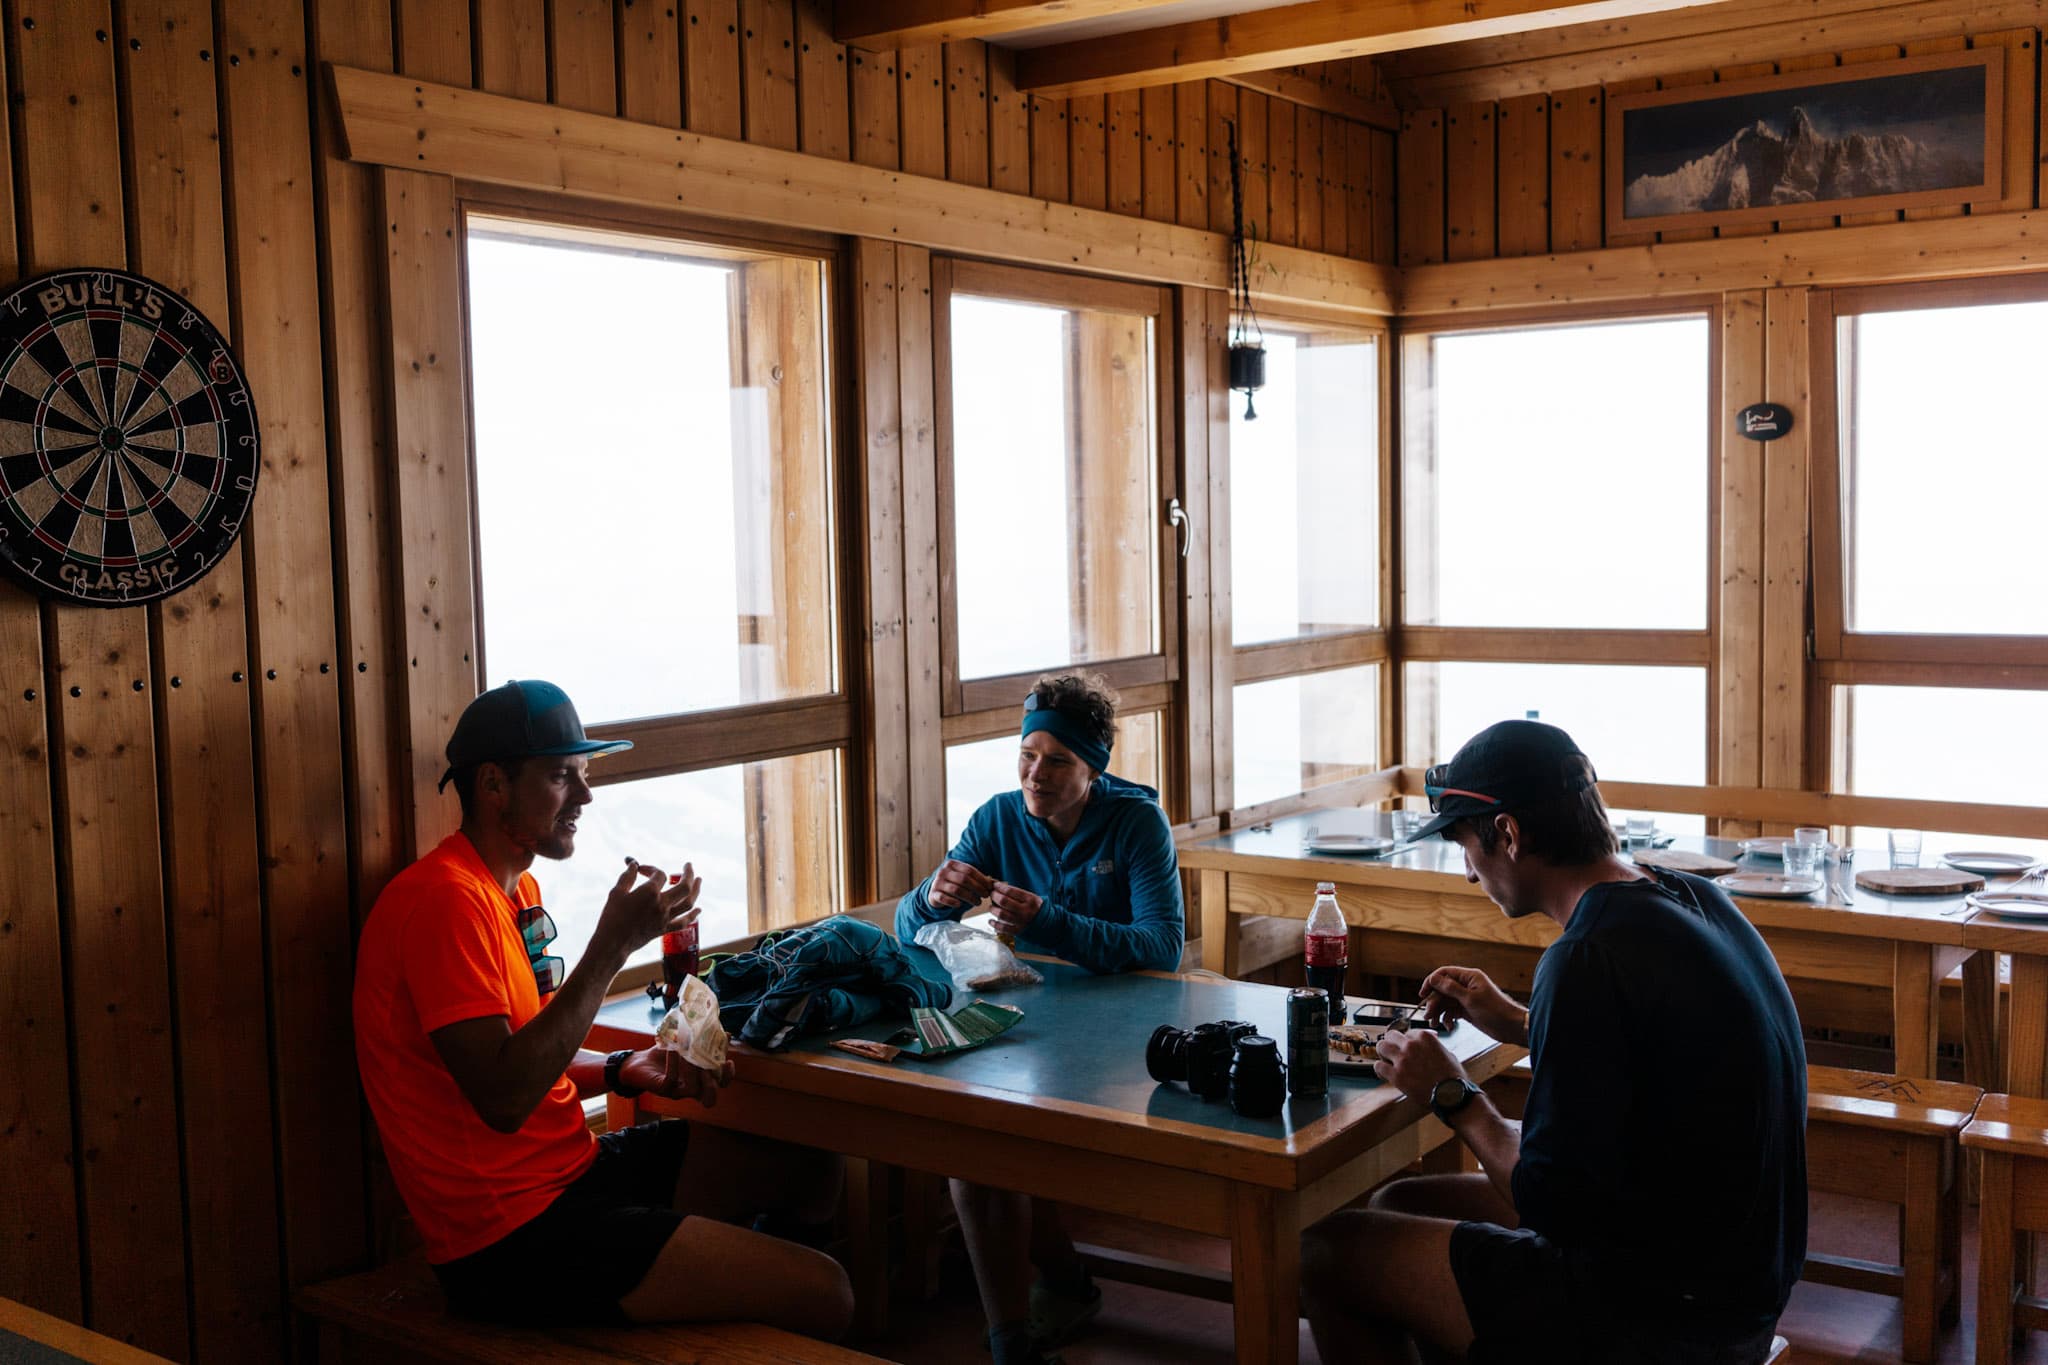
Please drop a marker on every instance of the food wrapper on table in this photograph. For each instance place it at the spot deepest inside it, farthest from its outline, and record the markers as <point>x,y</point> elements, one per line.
<point>935,1033</point>
<point>692,1027</point>
<point>975,958</point>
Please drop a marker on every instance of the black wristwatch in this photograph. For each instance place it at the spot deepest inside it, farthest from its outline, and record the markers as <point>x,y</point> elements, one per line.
<point>612,1063</point>
<point>1450,1095</point>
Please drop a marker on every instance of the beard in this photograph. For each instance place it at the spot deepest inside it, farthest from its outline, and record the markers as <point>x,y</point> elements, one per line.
<point>552,841</point>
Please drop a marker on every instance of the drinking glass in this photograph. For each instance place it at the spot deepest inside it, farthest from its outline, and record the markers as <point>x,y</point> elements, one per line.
<point>1802,859</point>
<point>1905,847</point>
<point>1407,822</point>
<point>1642,830</point>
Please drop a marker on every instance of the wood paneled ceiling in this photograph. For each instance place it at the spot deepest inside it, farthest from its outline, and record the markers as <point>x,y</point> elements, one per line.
<point>1082,47</point>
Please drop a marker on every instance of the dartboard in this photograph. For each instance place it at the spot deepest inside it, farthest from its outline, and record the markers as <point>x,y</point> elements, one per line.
<point>127,439</point>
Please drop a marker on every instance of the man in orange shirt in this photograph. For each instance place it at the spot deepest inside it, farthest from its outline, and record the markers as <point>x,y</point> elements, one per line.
<point>467,1037</point>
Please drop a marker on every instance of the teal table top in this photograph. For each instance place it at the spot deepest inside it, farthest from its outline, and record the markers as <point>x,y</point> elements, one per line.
<point>1082,1041</point>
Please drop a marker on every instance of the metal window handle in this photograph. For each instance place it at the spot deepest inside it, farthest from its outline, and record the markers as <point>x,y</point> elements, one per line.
<point>1177,517</point>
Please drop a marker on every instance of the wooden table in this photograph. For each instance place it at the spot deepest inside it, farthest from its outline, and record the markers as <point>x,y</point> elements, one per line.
<point>2026,1043</point>
<point>1905,944</point>
<point>1061,1107</point>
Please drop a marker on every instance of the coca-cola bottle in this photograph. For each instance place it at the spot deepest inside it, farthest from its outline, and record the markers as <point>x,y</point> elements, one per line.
<point>678,960</point>
<point>1326,948</point>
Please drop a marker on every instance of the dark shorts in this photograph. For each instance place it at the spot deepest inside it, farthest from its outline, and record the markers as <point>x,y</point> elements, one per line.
<point>591,1247</point>
<point>1530,1301</point>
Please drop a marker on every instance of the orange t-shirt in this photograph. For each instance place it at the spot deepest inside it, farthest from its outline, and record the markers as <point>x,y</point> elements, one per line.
<point>443,945</point>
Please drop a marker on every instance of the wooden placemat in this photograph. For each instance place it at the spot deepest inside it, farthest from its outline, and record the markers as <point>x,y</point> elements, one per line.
<point>1676,860</point>
<point>1919,881</point>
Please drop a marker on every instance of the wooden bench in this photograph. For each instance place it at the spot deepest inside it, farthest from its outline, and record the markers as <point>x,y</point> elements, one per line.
<point>2012,1135</point>
<point>396,1316</point>
<point>1876,1136</point>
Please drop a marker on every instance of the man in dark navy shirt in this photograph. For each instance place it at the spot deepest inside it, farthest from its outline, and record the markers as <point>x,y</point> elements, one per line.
<point>1651,1207</point>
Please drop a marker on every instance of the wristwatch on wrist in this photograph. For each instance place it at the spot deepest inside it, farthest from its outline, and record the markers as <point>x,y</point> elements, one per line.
<point>1450,1095</point>
<point>612,1063</point>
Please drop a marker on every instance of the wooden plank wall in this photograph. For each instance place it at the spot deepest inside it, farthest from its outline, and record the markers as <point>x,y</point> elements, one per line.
<point>199,800</point>
<point>1523,175</point>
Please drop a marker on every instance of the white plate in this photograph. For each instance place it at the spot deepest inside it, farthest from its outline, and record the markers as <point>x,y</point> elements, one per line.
<point>2012,904</point>
<point>1988,864</point>
<point>1346,843</point>
<point>1775,848</point>
<point>1770,884</point>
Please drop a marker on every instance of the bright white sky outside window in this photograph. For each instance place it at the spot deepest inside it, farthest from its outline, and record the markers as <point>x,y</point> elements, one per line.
<point>1304,487</point>
<point>1637,724</point>
<point>1983,745</point>
<point>604,469</point>
<point>1011,547</point>
<point>1282,723</point>
<point>1946,441</point>
<point>1570,479</point>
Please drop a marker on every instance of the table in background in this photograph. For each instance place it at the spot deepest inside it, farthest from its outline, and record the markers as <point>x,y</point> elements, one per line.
<point>1906,944</point>
<point>1061,1107</point>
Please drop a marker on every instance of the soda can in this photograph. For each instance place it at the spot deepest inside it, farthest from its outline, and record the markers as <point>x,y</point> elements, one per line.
<point>1308,1042</point>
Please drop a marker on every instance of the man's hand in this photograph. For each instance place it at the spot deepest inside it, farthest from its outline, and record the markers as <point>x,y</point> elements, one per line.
<point>1414,1063</point>
<point>1453,993</point>
<point>960,886</point>
<point>662,1071</point>
<point>1014,908</point>
<point>644,904</point>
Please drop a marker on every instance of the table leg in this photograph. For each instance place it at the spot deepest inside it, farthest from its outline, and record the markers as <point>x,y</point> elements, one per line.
<point>1265,1268</point>
<point>2026,1044</point>
<point>1219,926</point>
<point>1915,1020</point>
<point>867,1219</point>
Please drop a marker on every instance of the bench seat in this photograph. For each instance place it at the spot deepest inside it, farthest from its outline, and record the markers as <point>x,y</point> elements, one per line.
<point>2012,1135</point>
<point>396,1315</point>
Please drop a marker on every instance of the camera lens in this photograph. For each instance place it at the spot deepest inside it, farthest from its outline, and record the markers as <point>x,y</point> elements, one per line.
<point>1258,1083</point>
<point>1166,1056</point>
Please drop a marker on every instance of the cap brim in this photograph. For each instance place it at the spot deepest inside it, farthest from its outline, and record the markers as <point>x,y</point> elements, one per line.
<point>1436,826</point>
<point>592,747</point>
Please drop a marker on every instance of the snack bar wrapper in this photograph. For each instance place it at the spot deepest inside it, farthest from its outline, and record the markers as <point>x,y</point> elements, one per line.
<point>692,1027</point>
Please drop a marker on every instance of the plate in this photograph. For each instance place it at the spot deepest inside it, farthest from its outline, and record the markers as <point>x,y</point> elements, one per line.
<point>1769,884</point>
<point>1775,848</point>
<point>1346,843</point>
<point>2012,904</point>
<point>1988,864</point>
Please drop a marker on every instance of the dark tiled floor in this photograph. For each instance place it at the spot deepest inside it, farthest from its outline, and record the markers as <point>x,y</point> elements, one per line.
<point>1137,1324</point>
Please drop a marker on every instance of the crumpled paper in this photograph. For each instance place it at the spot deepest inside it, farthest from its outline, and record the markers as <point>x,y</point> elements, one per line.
<point>692,1027</point>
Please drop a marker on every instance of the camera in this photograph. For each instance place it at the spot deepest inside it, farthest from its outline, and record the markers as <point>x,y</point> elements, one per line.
<point>1198,1057</point>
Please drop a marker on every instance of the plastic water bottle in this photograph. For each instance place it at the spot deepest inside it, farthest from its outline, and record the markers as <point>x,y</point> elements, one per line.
<point>1326,948</point>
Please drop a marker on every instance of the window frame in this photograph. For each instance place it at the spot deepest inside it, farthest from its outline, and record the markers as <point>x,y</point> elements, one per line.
<point>987,699</point>
<point>1653,647</point>
<point>1303,655</point>
<point>676,743</point>
<point>1843,658</point>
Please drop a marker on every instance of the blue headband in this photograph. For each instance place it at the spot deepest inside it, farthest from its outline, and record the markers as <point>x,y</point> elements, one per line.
<point>1068,730</point>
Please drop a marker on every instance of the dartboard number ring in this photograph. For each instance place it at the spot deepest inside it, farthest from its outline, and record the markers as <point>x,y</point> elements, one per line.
<point>128,439</point>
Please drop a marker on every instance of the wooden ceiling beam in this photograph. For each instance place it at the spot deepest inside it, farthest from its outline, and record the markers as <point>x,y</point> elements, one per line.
<point>1331,99</point>
<point>1317,31</point>
<point>905,23</point>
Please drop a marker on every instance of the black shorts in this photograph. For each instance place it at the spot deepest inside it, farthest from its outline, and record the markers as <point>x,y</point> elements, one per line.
<point>572,1263</point>
<point>1531,1301</point>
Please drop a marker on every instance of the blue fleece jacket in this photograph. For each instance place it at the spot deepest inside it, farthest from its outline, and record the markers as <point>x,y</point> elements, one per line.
<point>1112,894</point>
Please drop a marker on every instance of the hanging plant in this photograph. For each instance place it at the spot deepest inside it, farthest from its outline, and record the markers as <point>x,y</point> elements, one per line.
<point>1247,341</point>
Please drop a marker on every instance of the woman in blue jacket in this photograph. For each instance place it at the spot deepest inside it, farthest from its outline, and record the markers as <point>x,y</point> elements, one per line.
<point>1080,865</point>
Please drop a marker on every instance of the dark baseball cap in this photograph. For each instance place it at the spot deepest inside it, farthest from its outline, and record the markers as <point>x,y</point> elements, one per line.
<point>1506,765</point>
<point>521,720</point>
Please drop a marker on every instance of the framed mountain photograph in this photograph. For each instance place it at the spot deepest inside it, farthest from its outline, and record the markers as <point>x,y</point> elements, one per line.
<point>1878,135</point>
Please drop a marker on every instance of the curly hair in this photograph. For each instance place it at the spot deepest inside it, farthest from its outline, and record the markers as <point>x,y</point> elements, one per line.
<point>1087,697</point>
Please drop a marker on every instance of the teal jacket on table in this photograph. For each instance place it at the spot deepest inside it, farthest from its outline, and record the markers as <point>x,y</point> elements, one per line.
<point>1112,894</point>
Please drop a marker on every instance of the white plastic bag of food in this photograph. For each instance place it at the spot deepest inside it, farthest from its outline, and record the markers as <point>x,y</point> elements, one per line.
<point>692,1027</point>
<point>974,958</point>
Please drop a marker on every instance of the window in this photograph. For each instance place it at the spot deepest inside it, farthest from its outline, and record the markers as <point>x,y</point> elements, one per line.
<point>1054,445</point>
<point>656,533</point>
<point>1557,491</point>
<point>1306,614</point>
<point>1557,477</point>
<point>1930,632</point>
<point>1052,478</point>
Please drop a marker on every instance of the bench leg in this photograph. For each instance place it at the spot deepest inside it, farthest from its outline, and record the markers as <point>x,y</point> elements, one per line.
<point>1920,1245</point>
<point>1952,1193</point>
<point>1995,1261</point>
